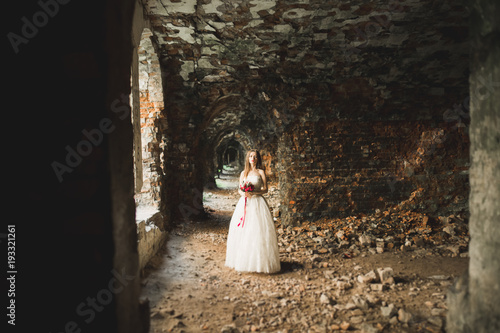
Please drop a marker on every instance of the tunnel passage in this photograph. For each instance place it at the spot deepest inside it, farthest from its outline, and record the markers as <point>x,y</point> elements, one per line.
<point>230,154</point>
<point>358,108</point>
<point>228,160</point>
<point>330,96</point>
<point>391,74</point>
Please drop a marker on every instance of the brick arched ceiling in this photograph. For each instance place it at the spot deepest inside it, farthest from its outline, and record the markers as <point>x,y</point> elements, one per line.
<point>240,57</point>
<point>298,77</point>
<point>319,53</point>
<point>235,134</point>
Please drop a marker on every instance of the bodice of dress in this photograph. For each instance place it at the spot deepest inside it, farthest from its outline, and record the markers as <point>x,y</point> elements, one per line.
<point>255,180</point>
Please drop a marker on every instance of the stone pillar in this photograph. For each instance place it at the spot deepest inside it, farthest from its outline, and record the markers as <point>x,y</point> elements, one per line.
<point>136,121</point>
<point>474,301</point>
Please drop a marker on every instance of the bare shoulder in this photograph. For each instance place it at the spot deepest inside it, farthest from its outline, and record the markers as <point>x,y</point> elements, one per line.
<point>262,173</point>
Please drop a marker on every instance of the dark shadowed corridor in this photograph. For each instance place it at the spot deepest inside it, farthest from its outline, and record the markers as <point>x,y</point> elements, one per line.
<point>378,124</point>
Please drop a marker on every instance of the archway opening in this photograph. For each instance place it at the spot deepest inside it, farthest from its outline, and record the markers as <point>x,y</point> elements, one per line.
<point>229,161</point>
<point>149,139</point>
<point>224,154</point>
<point>149,127</point>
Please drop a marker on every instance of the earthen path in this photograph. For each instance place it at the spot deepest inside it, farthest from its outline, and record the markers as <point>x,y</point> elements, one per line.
<point>190,289</point>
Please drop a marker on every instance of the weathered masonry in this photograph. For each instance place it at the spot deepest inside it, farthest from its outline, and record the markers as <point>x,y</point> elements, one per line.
<point>356,106</point>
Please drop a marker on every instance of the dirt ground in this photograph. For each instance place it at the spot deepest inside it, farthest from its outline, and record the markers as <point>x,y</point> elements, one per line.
<point>190,289</point>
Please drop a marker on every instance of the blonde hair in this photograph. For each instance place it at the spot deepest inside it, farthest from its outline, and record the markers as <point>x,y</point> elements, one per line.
<point>258,165</point>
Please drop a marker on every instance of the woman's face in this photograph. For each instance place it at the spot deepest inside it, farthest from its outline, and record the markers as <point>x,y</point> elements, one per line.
<point>252,158</point>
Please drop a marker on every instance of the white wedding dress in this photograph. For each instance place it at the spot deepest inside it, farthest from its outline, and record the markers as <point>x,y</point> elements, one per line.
<point>253,245</point>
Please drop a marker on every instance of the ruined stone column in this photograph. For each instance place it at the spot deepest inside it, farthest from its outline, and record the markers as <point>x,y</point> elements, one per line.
<point>474,301</point>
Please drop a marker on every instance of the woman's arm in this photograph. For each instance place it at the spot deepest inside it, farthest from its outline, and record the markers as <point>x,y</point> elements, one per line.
<point>241,181</point>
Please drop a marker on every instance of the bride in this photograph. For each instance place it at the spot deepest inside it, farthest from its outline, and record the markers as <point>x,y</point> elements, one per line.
<point>252,245</point>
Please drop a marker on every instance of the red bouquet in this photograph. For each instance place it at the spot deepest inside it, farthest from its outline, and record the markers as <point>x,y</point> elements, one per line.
<point>245,187</point>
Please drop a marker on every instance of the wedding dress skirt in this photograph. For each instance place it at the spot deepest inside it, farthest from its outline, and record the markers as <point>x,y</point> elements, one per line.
<point>253,245</point>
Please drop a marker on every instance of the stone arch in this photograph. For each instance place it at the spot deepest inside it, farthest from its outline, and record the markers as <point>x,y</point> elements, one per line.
<point>215,147</point>
<point>233,140</point>
<point>148,105</point>
<point>149,139</point>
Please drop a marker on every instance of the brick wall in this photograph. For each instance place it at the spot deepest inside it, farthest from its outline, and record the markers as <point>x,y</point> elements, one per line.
<point>354,87</point>
<point>342,168</point>
<point>152,123</point>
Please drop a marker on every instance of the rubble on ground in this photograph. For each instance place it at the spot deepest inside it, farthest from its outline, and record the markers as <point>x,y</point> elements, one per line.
<point>335,276</point>
<point>379,232</point>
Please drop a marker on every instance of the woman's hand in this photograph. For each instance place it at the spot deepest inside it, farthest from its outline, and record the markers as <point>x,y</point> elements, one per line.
<point>245,194</point>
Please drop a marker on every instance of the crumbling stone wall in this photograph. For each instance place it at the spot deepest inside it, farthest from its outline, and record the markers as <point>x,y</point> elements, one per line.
<point>152,123</point>
<point>372,96</point>
<point>151,237</point>
<point>341,168</point>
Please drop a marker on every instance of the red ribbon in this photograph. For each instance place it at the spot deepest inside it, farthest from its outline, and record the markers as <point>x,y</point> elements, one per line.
<point>242,220</point>
<point>246,187</point>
